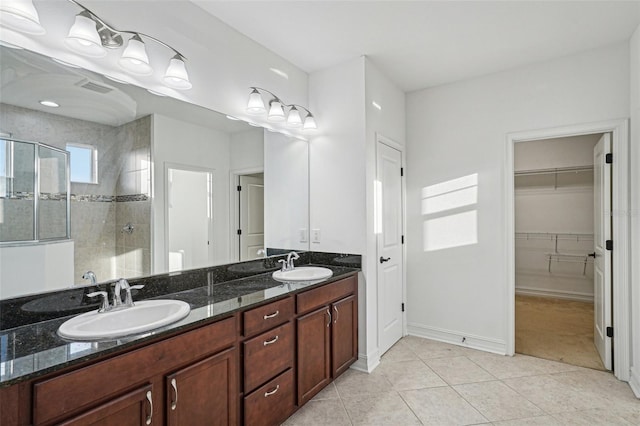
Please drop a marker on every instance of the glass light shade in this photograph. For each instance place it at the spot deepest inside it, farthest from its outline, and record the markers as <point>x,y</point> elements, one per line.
<point>255,104</point>
<point>83,38</point>
<point>276,112</point>
<point>176,76</point>
<point>294,119</point>
<point>134,58</point>
<point>309,123</point>
<point>20,15</point>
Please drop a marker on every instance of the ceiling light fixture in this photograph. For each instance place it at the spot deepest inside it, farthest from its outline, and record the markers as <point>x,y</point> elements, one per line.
<point>20,15</point>
<point>279,110</point>
<point>91,36</point>
<point>51,104</point>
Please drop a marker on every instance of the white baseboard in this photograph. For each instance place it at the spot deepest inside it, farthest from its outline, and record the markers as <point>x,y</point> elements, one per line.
<point>634,381</point>
<point>557,294</point>
<point>367,363</point>
<point>458,338</point>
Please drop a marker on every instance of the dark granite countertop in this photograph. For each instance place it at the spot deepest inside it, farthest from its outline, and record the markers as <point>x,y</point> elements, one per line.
<point>35,349</point>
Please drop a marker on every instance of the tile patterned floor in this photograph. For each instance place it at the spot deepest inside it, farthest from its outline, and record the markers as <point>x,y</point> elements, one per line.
<point>424,382</point>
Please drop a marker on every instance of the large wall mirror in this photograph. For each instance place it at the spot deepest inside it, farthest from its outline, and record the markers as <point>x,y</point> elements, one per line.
<point>154,184</point>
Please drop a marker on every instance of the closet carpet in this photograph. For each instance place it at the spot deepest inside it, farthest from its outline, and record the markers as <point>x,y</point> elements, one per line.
<point>558,330</point>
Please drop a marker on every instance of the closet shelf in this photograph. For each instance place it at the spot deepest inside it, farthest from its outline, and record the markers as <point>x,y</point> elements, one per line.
<point>569,258</point>
<point>553,236</point>
<point>556,170</point>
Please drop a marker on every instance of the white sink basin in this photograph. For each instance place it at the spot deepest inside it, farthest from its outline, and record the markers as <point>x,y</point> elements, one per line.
<point>144,316</point>
<point>304,273</point>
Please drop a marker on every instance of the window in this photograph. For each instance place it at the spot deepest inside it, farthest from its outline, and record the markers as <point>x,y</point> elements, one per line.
<point>83,160</point>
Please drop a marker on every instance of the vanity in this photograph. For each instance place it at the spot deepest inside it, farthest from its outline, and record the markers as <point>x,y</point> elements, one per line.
<point>251,351</point>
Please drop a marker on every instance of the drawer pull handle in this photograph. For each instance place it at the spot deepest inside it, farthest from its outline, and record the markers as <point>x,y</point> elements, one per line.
<point>335,321</point>
<point>266,394</point>
<point>150,416</point>
<point>329,313</point>
<point>273,315</point>
<point>174,403</point>
<point>270,342</point>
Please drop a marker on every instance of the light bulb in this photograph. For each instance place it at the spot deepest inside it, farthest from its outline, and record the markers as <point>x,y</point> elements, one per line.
<point>276,112</point>
<point>309,122</point>
<point>20,15</point>
<point>176,75</point>
<point>294,119</point>
<point>134,58</point>
<point>83,37</point>
<point>255,104</point>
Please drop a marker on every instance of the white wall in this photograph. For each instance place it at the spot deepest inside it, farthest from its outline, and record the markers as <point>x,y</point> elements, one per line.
<point>286,191</point>
<point>634,51</point>
<point>343,169</point>
<point>54,269</point>
<point>247,149</point>
<point>460,130</point>
<point>180,143</point>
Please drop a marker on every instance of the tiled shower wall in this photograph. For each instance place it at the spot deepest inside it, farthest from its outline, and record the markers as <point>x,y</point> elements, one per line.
<point>99,211</point>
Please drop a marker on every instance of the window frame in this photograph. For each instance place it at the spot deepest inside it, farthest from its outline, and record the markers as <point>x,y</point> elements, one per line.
<point>93,165</point>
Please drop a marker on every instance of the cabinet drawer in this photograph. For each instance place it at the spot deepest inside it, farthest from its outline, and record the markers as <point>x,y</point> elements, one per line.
<point>268,316</point>
<point>271,403</point>
<point>62,396</point>
<point>326,294</point>
<point>267,355</point>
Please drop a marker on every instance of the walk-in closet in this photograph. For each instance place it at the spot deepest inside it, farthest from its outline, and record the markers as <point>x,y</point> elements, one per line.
<point>554,249</point>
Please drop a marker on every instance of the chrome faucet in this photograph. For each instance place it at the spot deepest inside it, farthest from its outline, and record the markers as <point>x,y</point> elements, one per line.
<point>123,284</point>
<point>91,276</point>
<point>287,265</point>
<point>117,302</point>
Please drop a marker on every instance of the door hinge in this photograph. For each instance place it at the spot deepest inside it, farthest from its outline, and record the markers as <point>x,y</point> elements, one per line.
<point>239,188</point>
<point>239,231</point>
<point>401,171</point>
<point>609,331</point>
<point>403,307</point>
<point>609,245</point>
<point>608,158</point>
<point>402,239</point>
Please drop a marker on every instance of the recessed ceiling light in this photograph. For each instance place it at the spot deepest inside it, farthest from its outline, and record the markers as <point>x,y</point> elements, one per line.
<point>49,104</point>
<point>230,117</point>
<point>377,105</point>
<point>253,124</point>
<point>280,73</point>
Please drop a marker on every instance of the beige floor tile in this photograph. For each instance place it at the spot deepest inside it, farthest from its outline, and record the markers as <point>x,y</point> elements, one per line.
<point>496,401</point>
<point>552,396</point>
<point>323,412</point>
<point>600,383</point>
<point>401,351</point>
<point>458,370</point>
<point>591,418</point>
<point>504,367</point>
<point>547,366</point>
<point>428,349</point>
<point>530,421</point>
<point>330,392</point>
<point>382,409</point>
<point>408,375</point>
<point>441,406</point>
<point>353,383</point>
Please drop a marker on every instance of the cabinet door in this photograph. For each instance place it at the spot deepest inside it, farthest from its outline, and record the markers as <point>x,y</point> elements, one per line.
<point>131,409</point>
<point>204,393</point>
<point>314,362</point>
<point>344,336</point>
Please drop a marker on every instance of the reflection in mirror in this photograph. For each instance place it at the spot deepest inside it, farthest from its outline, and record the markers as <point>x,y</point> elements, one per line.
<point>153,180</point>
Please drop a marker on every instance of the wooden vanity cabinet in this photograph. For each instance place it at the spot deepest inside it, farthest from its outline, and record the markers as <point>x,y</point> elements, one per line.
<point>327,336</point>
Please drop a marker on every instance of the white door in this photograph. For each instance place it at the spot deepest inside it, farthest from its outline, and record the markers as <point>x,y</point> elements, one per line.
<point>189,219</point>
<point>251,217</point>
<point>388,189</point>
<point>602,260</point>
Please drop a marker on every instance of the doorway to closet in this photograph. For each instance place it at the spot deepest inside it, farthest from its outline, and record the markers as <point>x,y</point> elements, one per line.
<point>562,302</point>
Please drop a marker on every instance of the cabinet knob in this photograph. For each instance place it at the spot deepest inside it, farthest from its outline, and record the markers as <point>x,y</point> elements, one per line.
<point>269,393</point>
<point>273,315</point>
<point>270,342</point>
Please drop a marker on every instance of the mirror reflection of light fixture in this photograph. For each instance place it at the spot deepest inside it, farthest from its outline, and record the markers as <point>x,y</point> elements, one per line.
<point>280,111</point>
<point>20,15</point>
<point>92,36</point>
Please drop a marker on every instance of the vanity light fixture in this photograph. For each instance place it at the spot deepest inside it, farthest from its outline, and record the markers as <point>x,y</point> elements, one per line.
<point>20,15</point>
<point>91,36</point>
<point>279,111</point>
